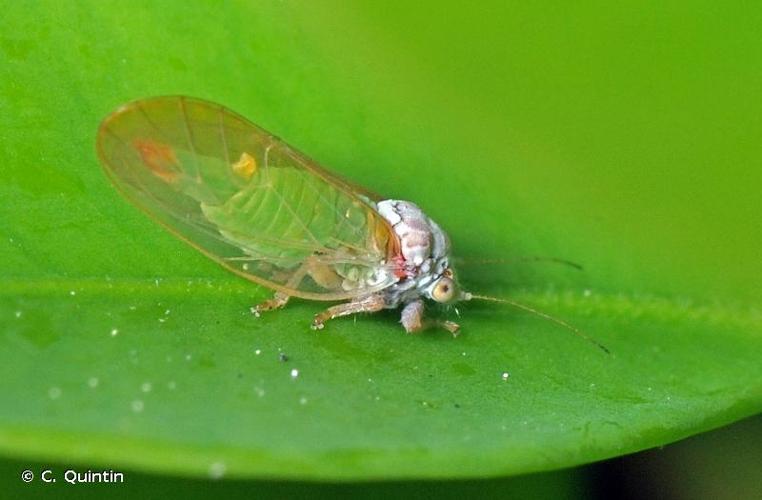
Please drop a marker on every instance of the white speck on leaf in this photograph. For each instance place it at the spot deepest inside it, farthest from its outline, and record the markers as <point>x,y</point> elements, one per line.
<point>506,375</point>
<point>114,332</point>
<point>93,382</point>
<point>137,406</point>
<point>294,373</point>
<point>54,392</point>
<point>217,470</point>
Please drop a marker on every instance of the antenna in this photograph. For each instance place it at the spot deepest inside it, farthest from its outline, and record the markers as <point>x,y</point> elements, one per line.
<point>518,305</point>
<point>554,260</point>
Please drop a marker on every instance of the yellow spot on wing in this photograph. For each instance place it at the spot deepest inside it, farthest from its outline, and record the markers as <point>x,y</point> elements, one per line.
<point>245,167</point>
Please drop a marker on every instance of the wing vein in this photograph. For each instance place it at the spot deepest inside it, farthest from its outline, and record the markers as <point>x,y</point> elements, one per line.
<point>276,215</point>
<point>341,218</point>
<point>189,138</point>
<point>297,217</point>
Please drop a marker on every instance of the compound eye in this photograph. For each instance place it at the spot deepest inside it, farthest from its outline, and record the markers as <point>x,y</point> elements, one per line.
<point>444,290</point>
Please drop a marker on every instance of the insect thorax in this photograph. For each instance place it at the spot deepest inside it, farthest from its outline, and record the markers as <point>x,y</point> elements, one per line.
<point>425,250</point>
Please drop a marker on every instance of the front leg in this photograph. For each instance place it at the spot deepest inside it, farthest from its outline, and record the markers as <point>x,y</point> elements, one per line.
<point>372,303</point>
<point>413,322</point>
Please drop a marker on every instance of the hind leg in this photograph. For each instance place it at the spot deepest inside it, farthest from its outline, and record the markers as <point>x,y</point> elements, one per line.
<point>279,300</point>
<point>320,273</point>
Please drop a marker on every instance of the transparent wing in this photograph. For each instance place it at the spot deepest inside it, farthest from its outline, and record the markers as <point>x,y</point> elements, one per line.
<point>246,199</point>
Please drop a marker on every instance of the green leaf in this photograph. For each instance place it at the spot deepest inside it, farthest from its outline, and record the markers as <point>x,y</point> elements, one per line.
<point>618,138</point>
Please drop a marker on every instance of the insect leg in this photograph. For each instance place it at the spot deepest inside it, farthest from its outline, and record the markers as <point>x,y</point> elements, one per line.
<point>450,326</point>
<point>324,275</point>
<point>412,316</point>
<point>413,322</point>
<point>372,303</point>
<point>280,299</point>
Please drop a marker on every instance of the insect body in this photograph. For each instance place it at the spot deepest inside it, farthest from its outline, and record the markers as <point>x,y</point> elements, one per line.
<point>421,269</point>
<point>263,210</point>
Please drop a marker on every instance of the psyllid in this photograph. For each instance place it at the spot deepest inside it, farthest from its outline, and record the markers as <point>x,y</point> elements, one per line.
<point>265,211</point>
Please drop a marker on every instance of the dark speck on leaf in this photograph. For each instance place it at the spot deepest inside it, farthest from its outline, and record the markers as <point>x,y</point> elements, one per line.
<point>282,357</point>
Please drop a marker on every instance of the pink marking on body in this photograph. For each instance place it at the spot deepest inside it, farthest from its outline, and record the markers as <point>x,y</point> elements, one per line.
<point>400,267</point>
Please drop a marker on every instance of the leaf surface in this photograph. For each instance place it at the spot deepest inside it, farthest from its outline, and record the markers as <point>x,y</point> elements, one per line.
<point>628,150</point>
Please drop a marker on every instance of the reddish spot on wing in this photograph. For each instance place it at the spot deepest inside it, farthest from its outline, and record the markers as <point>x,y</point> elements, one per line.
<point>158,157</point>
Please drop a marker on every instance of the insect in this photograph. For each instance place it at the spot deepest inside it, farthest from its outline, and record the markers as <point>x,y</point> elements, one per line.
<point>266,212</point>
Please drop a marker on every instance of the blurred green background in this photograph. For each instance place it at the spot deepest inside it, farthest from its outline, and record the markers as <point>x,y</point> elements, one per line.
<point>624,137</point>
